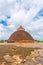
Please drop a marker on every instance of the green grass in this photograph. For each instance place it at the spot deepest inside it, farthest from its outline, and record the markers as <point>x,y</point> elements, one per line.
<point>40,40</point>
<point>1,41</point>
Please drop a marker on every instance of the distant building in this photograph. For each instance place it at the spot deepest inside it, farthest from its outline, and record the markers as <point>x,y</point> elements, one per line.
<point>20,36</point>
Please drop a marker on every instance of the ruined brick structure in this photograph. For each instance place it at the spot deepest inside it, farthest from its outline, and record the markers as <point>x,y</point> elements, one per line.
<point>21,36</point>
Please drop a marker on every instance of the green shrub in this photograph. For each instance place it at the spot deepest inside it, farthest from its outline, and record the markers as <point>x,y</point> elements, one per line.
<point>1,41</point>
<point>40,40</point>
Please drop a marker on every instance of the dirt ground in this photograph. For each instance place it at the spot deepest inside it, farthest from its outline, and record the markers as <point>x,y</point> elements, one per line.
<point>18,49</point>
<point>12,49</point>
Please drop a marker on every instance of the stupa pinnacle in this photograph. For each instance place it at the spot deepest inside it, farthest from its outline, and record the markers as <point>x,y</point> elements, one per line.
<point>20,28</point>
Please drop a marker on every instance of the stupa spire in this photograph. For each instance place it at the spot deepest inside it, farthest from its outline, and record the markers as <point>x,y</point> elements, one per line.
<point>20,28</point>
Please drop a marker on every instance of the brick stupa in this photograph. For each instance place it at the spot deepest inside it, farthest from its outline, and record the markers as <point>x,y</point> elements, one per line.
<point>20,36</point>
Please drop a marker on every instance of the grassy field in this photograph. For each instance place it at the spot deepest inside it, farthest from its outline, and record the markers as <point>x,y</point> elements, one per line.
<point>40,41</point>
<point>1,41</point>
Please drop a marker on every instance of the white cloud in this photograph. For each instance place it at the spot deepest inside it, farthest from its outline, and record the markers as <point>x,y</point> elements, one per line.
<point>2,17</point>
<point>22,13</point>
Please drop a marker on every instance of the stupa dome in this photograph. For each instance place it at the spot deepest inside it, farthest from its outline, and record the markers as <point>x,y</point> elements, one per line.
<point>20,35</point>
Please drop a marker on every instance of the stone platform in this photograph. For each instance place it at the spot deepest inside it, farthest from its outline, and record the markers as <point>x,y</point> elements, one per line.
<point>32,45</point>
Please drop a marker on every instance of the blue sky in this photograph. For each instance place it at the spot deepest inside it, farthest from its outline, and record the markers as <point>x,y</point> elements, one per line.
<point>28,13</point>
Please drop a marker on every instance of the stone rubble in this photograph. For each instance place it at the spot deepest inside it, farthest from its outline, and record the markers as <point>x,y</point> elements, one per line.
<point>8,58</point>
<point>35,58</point>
